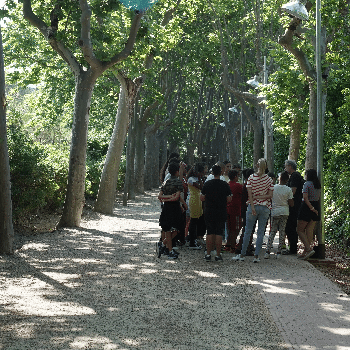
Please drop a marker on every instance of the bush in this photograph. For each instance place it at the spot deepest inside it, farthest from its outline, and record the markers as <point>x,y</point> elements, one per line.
<point>337,193</point>
<point>38,173</point>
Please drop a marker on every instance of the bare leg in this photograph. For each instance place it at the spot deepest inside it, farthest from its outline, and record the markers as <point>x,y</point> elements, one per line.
<point>301,233</point>
<point>310,231</point>
<point>168,240</point>
<point>218,243</point>
<point>210,243</point>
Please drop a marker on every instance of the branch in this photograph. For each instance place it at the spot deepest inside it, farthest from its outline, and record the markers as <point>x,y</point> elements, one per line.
<point>85,40</point>
<point>287,42</point>
<point>135,25</point>
<point>49,34</point>
<point>169,14</point>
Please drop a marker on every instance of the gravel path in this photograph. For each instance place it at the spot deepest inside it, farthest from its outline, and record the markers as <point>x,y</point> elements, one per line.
<point>102,287</point>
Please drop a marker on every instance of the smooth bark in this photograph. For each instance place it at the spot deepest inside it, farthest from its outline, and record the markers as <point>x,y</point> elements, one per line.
<point>85,78</point>
<point>6,225</point>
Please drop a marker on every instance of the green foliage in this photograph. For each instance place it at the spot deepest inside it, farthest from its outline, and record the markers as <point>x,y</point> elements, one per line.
<point>337,192</point>
<point>38,173</point>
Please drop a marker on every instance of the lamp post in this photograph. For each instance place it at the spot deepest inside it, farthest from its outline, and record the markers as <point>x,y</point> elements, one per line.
<point>298,10</point>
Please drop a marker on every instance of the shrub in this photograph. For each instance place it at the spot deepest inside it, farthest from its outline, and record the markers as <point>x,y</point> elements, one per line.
<point>38,173</point>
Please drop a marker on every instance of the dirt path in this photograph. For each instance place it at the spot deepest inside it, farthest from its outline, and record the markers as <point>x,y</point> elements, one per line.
<point>101,287</point>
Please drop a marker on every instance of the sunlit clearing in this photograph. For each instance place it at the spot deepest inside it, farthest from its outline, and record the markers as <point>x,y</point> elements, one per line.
<point>273,289</point>
<point>62,277</point>
<point>206,274</point>
<point>228,284</point>
<point>89,343</point>
<point>36,246</point>
<point>131,342</point>
<point>339,331</point>
<point>127,266</point>
<point>37,298</point>
<point>332,307</point>
<point>149,264</point>
<point>146,271</point>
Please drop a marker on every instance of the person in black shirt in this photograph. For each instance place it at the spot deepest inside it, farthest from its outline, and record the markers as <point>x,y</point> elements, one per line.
<point>296,183</point>
<point>216,194</point>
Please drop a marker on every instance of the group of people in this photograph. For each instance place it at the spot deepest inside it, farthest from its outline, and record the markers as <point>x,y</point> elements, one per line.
<point>195,204</point>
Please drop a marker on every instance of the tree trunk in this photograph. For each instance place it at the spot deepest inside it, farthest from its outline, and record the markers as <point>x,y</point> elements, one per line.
<point>151,160</point>
<point>75,199</point>
<point>6,226</point>
<point>295,137</point>
<point>139,156</point>
<point>126,104</point>
<point>108,184</point>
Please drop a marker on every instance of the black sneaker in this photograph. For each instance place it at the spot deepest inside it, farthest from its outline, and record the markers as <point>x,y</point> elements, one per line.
<point>172,255</point>
<point>207,258</point>
<point>159,248</point>
<point>218,258</point>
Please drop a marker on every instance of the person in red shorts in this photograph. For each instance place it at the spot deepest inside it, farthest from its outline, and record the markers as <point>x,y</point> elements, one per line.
<point>234,219</point>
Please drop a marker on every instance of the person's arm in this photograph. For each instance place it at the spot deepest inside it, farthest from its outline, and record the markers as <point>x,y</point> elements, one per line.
<point>169,197</point>
<point>306,200</point>
<point>268,195</point>
<point>202,197</point>
<point>250,199</point>
<point>183,202</point>
<point>294,189</point>
<point>229,199</point>
<point>291,202</point>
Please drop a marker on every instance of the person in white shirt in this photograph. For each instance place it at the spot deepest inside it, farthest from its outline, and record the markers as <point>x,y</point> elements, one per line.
<point>211,175</point>
<point>281,200</point>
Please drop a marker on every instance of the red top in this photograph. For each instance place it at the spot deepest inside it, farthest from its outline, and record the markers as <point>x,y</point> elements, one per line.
<point>234,207</point>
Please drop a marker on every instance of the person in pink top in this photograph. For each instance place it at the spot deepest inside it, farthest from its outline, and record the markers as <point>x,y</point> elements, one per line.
<point>260,190</point>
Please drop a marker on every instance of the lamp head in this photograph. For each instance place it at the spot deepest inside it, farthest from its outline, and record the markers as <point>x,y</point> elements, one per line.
<point>296,9</point>
<point>254,82</point>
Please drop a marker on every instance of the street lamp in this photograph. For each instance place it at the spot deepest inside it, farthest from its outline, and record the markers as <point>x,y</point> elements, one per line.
<point>298,10</point>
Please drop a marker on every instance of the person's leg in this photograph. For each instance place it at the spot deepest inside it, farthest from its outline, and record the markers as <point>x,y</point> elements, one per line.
<point>282,232</point>
<point>210,243</point>
<point>291,230</point>
<point>192,231</point>
<point>168,240</point>
<point>274,228</point>
<point>263,214</point>
<point>310,231</point>
<point>302,235</point>
<point>250,221</point>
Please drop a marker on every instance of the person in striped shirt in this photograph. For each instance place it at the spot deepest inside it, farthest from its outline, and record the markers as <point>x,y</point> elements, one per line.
<point>260,190</point>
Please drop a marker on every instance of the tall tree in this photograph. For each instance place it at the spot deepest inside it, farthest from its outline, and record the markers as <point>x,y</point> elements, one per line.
<point>87,66</point>
<point>6,226</point>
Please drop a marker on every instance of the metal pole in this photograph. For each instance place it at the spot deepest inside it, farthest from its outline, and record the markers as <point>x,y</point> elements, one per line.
<point>265,114</point>
<point>320,233</point>
<point>242,151</point>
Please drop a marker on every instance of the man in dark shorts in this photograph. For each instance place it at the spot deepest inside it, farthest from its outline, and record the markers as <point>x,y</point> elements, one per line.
<point>296,183</point>
<point>216,194</point>
<point>171,217</point>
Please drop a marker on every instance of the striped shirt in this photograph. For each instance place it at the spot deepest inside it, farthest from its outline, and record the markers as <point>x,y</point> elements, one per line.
<point>260,186</point>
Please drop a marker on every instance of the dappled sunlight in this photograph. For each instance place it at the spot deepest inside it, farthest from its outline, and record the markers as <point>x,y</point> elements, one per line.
<point>89,342</point>
<point>206,274</point>
<point>338,331</point>
<point>272,288</point>
<point>34,297</point>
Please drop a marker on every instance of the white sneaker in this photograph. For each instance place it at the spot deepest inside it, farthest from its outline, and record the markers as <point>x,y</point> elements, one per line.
<point>256,260</point>
<point>267,256</point>
<point>238,257</point>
